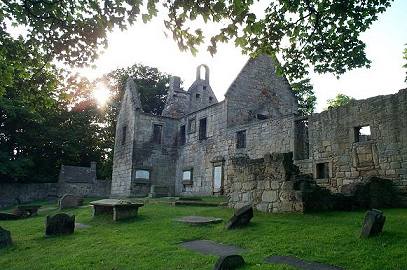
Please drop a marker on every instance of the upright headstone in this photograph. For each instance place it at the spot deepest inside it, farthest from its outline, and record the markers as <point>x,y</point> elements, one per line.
<point>70,201</point>
<point>241,217</point>
<point>5,238</point>
<point>229,262</point>
<point>59,224</point>
<point>373,223</point>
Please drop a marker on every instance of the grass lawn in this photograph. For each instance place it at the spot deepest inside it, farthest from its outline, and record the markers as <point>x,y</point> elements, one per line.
<point>151,241</point>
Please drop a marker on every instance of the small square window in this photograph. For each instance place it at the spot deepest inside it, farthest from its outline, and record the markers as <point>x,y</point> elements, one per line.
<point>204,87</point>
<point>363,134</point>
<point>187,177</point>
<point>143,174</point>
<point>241,139</point>
<point>322,170</point>
<point>198,96</point>
<point>210,99</point>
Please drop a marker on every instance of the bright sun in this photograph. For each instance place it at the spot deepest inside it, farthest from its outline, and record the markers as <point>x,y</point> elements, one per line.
<point>102,94</point>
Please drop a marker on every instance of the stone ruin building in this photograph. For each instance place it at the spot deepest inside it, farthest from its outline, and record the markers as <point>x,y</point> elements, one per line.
<point>253,146</point>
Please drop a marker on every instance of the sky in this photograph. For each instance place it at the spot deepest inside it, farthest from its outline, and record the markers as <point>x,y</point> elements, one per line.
<point>147,44</point>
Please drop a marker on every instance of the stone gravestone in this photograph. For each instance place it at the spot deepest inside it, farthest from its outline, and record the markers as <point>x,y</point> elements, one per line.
<point>59,224</point>
<point>70,201</point>
<point>241,217</point>
<point>373,223</point>
<point>5,238</point>
<point>229,262</point>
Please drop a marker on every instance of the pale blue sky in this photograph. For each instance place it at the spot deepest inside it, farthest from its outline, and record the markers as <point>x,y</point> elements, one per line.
<point>148,45</point>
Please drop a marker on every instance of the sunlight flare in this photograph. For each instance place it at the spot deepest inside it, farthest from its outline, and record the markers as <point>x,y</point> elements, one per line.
<point>102,94</point>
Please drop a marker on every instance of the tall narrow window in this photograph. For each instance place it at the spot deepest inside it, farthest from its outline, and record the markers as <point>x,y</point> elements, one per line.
<point>322,170</point>
<point>124,131</point>
<point>157,132</point>
<point>241,139</point>
<point>182,137</point>
<point>202,129</point>
<point>217,178</point>
<point>191,125</point>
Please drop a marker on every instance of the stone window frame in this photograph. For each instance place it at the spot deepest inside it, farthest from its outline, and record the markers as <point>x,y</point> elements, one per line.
<point>182,135</point>
<point>222,165</point>
<point>191,128</point>
<point>162,132</point>
<point>244,144</point>
<point>315,173</point>
<point>205,136</point>
<point>142,180</point>
<point>191,180</point>
<point>356,136</point>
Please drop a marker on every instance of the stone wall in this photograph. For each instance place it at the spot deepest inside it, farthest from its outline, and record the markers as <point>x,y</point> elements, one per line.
<point>266,183</point>
<point>98,188</point>
<point>262,136</point>
<point>258,90</point>
<point>10,193</point>
<point>333,139</point>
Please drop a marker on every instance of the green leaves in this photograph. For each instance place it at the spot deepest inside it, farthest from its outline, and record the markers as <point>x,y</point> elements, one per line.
<point>339,100</point>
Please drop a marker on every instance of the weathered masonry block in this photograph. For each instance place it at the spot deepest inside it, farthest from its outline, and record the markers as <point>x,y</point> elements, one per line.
<point>266,183</point>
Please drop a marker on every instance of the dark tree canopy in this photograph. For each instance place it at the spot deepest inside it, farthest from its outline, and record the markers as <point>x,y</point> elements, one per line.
<point>405,58</point>
<point>324,34</point>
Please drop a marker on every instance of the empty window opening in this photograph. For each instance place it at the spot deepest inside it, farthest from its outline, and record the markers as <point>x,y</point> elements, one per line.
<point>204,87</point>
<point>362,134</point>
<point>143,174</point>
<point>124,131</point>
<point>210,99</point>
<point>202,129</point>
<point>241,139</point>
<point>301,140</point>
<point>217,178</point>
<point>262,117</point>
<point>157,132</point>
<point>202,72</point>
<point>322,170</point>
<point>182,136</point>
<point>198,96</point>
<point>191,125</point>
<point>187,177</point>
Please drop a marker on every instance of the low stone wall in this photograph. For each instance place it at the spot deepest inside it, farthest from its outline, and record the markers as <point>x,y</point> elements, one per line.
<point>11,193</point>
<point>98,188</point>
<point>266,183</point>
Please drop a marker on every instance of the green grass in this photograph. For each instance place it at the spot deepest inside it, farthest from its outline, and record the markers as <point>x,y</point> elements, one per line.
<point>151,241</point>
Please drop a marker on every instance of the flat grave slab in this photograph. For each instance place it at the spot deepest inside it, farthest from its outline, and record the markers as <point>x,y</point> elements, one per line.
<point>199,220</point>
<point>299,263</point>
<point>119,209</point>
<point>208,247</point>
<point>81,226</point>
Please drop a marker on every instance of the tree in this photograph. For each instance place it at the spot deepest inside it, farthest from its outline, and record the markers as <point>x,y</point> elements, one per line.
<point>339,100</point>
<point>405,58</point>
<point>305,95</point>
<point>323,34</point>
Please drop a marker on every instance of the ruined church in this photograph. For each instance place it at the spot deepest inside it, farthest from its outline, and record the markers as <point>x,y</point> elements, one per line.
<point>238,146</point>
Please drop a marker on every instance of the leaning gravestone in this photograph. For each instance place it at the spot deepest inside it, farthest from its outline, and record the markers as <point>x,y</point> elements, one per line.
<point>241,217</point>
<point>59,224</point>
<point>70,201</point>
<point>373,223</point>
<point>229,262</point>
<point>5,238</point>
